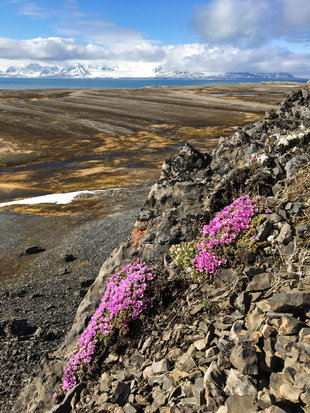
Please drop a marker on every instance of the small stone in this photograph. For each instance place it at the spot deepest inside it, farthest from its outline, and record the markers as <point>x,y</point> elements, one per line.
<point>289,325</point>
<point>285,235</point>
<point>35,249</point>
<point>178,375</point>
<point>222,409</point>
<point>136,360</point>
<point>239,384</point>
<point>147,372</point>
<point>200,344</point>
<point>185,363</point>
<point>289,392</point>
<point>105,382</point>
<point>242,302</point>
<point>161,366</point>
<point>288,249</point>
<point>274,218</point>
<point>197,309</point>
<point>264,399</point>
<point>302,230</point>
<point>304,332</point>
<point>260,282</point>
<point>238,404</point>
<point>264,230</point>
<point>212,351</point>
<point>121,393</point>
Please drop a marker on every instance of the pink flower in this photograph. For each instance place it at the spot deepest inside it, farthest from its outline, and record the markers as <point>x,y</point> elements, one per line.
<point>124,296</point>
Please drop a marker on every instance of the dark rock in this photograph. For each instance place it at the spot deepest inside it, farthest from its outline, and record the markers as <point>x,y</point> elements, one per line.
<point>64,406</point>
<point>260,282</point>
<point>302,231</point>
<point>121,393</point>
<point>242,302</point>
<point>225,275</point>
<point>264,230</point>
<point>69,258</point>
<point>21,328</point>
<point>35,249</point>
<point>243,357</point>
<point>293,165</point>
<point>289,301</point>
<point>182,167</point>
<point>238,404</point>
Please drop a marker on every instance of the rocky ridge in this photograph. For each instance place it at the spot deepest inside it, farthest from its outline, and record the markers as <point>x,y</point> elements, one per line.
<point>240,343</point>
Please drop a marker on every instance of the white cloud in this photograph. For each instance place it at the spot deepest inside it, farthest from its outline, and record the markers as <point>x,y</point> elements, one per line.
<point>252,23</point>
<point>144,57</point>
<point>101,32</point>
<point>31,9</point>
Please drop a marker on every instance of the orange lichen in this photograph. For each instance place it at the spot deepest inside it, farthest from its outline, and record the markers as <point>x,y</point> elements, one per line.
<point>137,234</point>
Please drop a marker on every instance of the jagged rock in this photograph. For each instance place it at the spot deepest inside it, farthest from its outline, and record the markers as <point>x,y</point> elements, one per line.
<point>161,366</point>
<point>294,300</point>
<point>182,167</point>
<point>242,302</point>
<point>264,230</point>
<point>64,406</point>
<point>243,357</point>
<point>260,282</point>
<point>185,363</point>
<point>289,325</point>
<point>121,393</point>
<point>237,404</point>
<point>289,392</point>
<point>285,235</point>
<point>213,382</point>
<point>264,399</point>
<point>239,384</point>
<point>128,408</point>
<point>293,165</point>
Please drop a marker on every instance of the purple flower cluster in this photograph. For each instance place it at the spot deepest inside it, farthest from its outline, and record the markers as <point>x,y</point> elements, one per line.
<point>122,300</point>
<point>221,231</point>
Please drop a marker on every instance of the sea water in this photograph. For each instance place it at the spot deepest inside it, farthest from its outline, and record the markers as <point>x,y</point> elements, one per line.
<point>123,83</point>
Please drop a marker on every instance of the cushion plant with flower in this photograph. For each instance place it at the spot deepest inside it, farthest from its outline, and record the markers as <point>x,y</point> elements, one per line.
<point>123,300</point>
<point>229,227</point>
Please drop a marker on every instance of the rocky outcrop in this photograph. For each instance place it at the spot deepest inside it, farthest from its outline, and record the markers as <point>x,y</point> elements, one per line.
<point>240,343</point>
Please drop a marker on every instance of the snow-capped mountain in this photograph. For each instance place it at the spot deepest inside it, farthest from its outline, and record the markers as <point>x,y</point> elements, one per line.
<point>170,72</point>
<point>78,70</point>
<point>162,71</point>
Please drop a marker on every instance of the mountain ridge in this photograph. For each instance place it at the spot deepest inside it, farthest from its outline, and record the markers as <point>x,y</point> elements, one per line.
<point>80,71</point>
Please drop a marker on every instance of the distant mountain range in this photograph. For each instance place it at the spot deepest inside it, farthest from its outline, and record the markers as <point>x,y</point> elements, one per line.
<point>35,70</point>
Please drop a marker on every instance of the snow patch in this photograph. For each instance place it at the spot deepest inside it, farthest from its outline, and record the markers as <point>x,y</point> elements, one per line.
<point>64,198</point>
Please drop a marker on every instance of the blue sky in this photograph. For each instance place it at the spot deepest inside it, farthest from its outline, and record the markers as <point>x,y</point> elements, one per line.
<point>139,35</point>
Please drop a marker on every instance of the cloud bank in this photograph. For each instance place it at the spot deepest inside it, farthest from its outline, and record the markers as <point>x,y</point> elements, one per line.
<point>236,35</point>
<point>252,23</point>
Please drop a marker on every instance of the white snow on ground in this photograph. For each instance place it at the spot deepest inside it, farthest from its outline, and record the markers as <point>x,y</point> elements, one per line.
<point>65,198</point>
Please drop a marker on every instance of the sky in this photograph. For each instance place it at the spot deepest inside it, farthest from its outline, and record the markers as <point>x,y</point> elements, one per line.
<point>212,36</point>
